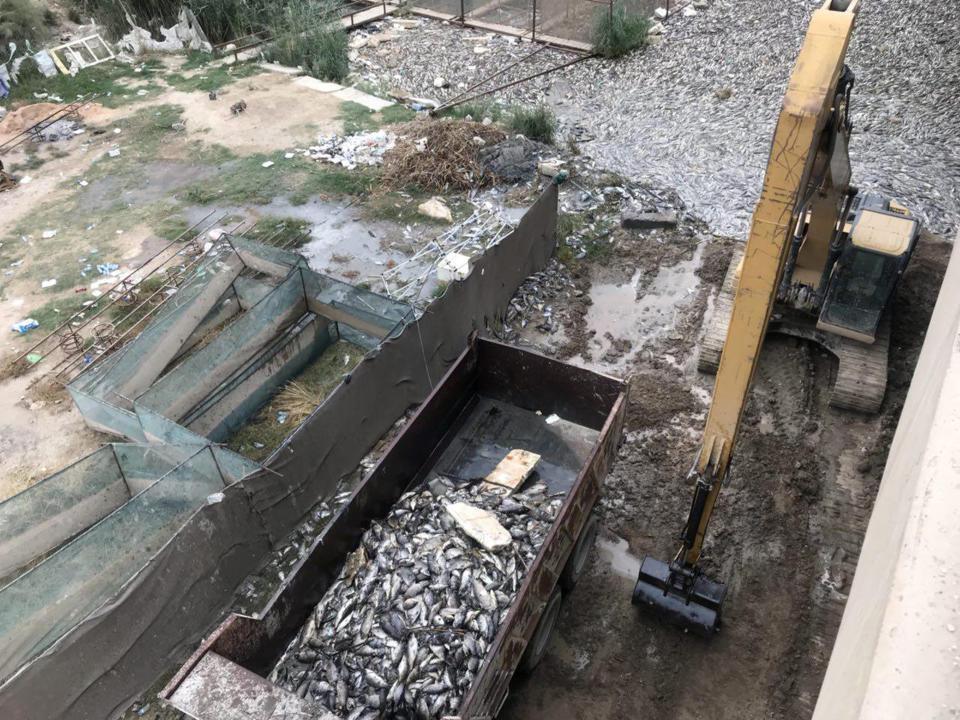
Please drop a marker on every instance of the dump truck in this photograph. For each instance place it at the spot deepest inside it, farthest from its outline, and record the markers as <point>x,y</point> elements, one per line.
<point>494,399</point>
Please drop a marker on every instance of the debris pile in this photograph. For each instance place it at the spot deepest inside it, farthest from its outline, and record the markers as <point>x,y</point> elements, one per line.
<point>439,155</point>
<point>404,628</point>
<point>366,148</point>
<point>470,237</point>
<point>515,159</point>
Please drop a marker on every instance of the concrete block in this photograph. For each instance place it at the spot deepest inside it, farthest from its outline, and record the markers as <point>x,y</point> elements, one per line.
<point>649,221</point>
<point>318,85</point>
<point>369,101</point>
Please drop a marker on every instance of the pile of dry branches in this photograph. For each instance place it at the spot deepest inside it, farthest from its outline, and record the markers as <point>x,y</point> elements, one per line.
<point>439,155</point>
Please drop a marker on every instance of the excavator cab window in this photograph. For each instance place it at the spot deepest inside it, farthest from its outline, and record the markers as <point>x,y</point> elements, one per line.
<point>860,289</point>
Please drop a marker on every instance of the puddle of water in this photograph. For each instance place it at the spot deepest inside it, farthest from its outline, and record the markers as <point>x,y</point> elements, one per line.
<point>343,244</point>
<point>616,552</point>
<point>617,309</point>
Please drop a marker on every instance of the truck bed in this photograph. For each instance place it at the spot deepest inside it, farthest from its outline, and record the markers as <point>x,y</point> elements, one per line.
<point>494,398</point>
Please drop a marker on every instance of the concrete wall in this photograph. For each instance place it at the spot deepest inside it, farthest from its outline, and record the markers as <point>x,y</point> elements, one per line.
<point>897,654</point>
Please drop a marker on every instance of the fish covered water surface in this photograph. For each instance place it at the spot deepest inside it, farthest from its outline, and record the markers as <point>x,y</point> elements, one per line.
<point>403,630</point>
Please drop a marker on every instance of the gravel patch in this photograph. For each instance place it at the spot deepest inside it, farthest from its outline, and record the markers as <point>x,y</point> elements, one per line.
<point>696,112</point>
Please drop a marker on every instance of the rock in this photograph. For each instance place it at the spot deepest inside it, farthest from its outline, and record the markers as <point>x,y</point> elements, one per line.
<point>660,13</point>
<point>649,221</point>
<point>549,168</point>
<point>440,82</point>
<point>723,94</point>
<point>655,29</point>
<point>435,208</point>
<point>689,11</point>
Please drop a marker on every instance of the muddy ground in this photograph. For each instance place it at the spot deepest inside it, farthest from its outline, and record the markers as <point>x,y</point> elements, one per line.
<point>787,530</point>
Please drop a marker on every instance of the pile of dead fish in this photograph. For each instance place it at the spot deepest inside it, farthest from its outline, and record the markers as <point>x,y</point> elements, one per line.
<point>350,151</point>
<point>403,630</point>
<point>531,304</point>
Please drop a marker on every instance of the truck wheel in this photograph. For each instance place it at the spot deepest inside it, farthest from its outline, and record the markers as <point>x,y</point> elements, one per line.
<point>537,647</point>
<point>577,562</point>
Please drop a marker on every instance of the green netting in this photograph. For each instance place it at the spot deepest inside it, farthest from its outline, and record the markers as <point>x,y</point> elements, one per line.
<point>55,509</point>
<point>274,255</point>
<point>43,603</point>
<point>229,406</point>
<point>364,305</point>
<point>197,376</point>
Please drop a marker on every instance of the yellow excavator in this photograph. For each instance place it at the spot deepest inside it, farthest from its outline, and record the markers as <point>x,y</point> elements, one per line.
<point>821,261</point>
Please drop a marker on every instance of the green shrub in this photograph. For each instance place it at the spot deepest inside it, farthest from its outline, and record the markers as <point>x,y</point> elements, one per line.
<point>617,33</point>
<point>477,110</point>
<point>20,21</point>
<point>536,123</point>
<point>309,34</point>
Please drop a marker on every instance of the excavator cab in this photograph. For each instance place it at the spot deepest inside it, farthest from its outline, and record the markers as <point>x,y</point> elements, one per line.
<point>881,238</point>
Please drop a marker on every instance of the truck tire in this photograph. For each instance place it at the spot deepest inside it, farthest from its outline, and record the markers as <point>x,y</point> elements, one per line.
<point>537,647</point>
<point>577,562</point>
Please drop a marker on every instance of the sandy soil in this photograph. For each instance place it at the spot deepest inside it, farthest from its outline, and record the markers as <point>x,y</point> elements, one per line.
<point>786,534</point>
<point>279,114</point>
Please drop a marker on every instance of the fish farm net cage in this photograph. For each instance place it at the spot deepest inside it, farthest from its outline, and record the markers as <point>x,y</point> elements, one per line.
<point>565,23</point>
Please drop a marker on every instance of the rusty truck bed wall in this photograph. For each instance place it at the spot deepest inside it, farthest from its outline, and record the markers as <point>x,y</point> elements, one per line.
<point>102,664</point>
<point>488,377</point>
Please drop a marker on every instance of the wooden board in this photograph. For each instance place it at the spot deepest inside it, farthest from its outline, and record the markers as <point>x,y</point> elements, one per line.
<point>515,467</point>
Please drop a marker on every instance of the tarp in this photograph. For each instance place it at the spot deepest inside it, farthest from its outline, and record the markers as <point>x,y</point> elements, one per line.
<point>97,668</point>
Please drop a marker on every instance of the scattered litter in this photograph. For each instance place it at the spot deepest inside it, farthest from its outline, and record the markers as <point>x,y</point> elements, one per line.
<point>107,268</point>
<point>24,326</point>
<point>114,153</point>
<point>268,163</point>
<point>26,180</point>
<point>453,266</point>
<point>552,418</point>
<point>33,358</point>
<point>258,445</point>
<point>116,131</point>
<point>288,156</point>
<point>47,234</point>
<point>352,150</point>
<point>281,417</point>
<point>48,283</point>
<point>82,183</point>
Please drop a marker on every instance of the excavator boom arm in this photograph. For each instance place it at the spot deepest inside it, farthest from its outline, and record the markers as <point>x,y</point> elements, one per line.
<point>805,112</point>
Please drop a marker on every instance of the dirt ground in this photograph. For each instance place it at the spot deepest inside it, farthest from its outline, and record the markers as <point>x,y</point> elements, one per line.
<point>787,531</point>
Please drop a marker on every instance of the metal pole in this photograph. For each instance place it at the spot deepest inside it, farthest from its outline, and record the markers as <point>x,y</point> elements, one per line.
<point>515,82</point>
<point>534,2</point>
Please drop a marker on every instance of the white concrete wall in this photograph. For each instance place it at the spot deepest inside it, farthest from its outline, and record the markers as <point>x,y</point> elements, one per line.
<point>897,654</point>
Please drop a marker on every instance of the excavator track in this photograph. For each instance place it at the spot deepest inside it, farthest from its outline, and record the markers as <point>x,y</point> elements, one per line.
<point>862,371</point>
<point>861,380</point>
<point>711,346</point>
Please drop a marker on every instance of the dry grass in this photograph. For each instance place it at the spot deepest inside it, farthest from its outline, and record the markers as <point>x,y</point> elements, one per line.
<point>298,400</point>
<point>49,391</point>
<point>18,480</point>
<point>14,368</point>
<point>449,160</point>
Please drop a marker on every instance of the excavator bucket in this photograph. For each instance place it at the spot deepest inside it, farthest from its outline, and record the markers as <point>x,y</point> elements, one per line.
<point>682,597</point>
